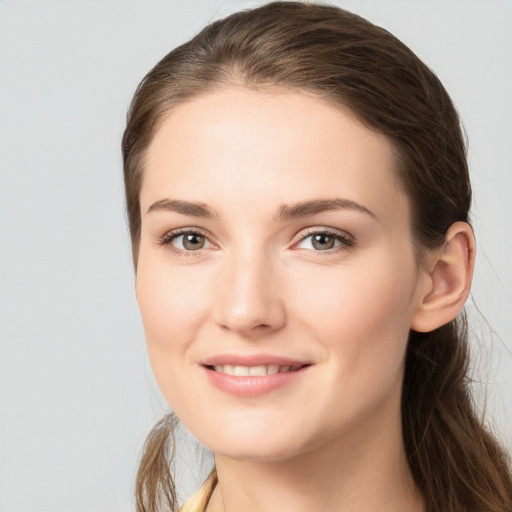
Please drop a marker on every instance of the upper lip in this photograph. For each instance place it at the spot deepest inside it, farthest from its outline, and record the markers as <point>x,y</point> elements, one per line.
<point>252,360</point>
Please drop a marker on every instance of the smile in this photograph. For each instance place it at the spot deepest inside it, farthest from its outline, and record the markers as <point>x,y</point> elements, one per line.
<point>255,378</point>
<point>254,371</point>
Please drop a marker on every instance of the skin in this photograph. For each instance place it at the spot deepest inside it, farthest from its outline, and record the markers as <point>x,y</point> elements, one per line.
<point>330,439</point>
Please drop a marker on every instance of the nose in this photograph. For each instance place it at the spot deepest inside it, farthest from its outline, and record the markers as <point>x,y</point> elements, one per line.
<point>249,301</point>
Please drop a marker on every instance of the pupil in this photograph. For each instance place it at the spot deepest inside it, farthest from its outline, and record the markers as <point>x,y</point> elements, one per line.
<point>323,242</point>
<point>193,242</point>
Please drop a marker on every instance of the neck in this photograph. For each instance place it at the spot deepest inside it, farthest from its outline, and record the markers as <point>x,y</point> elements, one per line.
<point>364,470</point>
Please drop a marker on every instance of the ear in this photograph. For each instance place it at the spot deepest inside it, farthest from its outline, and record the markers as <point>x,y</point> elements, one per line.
<point>447,283</point>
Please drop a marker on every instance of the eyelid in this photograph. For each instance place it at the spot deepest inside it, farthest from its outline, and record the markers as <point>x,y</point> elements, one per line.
<point>167,239</point>
<point>346,240</point>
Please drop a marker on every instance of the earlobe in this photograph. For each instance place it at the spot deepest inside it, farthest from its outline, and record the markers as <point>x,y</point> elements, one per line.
<point>448,280</point>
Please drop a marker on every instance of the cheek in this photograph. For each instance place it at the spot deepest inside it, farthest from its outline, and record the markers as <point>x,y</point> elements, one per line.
<point>170,303</point>
<point>169,299</point>
<point>362,323</point>
<point>361,313</point>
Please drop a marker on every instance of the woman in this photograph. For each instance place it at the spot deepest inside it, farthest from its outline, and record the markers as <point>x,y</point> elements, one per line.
<point>298,198</point>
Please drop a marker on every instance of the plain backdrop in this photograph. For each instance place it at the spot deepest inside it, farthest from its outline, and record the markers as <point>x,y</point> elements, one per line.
<point>77,397</point>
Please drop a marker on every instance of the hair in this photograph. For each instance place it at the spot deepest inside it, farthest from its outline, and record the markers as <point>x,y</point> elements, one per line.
<point>456,462</point>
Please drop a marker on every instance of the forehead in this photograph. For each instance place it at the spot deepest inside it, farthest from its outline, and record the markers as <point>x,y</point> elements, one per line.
<point>268,146</point>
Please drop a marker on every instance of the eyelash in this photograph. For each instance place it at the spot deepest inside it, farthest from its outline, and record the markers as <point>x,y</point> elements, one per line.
<point>346,241</point>
<point>168,238</point>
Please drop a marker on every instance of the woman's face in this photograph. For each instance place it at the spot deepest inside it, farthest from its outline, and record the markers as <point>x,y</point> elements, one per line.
<point>276,277</point>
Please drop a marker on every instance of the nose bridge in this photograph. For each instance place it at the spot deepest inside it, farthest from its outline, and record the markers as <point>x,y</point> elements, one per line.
<point>249,297</point>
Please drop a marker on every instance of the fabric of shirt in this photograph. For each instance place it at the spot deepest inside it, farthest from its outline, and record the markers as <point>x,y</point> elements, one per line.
<point>199,501</point>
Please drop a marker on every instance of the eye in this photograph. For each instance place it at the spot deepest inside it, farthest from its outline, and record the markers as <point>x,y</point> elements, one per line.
<point>326,240</point>
<point>185,241</point>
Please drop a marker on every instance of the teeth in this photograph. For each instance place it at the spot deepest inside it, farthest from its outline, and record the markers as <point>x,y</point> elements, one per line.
<point>241,371</point>
<point>257,371</point>
<point>254,371</point>
<point>272,369</point>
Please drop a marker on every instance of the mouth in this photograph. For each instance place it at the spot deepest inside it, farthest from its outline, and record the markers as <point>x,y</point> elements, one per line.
<point>256,375</point>
<point>254,371</point>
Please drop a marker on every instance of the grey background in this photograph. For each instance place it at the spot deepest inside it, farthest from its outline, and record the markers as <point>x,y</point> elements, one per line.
<point>76,393</point>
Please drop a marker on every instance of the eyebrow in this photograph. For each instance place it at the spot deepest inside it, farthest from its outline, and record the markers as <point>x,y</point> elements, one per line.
<point>284,212</point>
<point>306,208</point>
<point>185,208</point>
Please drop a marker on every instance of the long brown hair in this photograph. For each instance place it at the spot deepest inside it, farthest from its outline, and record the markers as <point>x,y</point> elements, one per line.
<point>457,464</point>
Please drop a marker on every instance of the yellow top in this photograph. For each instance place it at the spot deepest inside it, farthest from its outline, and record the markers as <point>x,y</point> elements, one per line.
<point>199,501</point>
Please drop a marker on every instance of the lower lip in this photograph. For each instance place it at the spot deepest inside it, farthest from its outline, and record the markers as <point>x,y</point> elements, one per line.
<point>252,386</point>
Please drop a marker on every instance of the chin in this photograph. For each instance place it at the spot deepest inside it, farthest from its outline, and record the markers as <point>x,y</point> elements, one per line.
<point>260,445</point>
<point>259,453</point>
